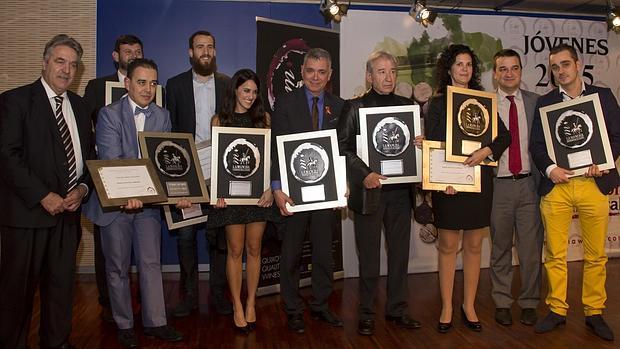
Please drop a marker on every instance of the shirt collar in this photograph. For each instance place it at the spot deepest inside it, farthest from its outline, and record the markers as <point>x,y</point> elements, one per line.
<point>210,78</point>
<point>50,93</point>
<point>502,94</point>
<point>309,95</point>
<point>563,91</point>
<point>121,76</point>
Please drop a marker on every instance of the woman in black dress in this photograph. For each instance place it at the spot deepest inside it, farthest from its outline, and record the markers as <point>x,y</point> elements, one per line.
<point>244,225</point>
<point>471,212</point>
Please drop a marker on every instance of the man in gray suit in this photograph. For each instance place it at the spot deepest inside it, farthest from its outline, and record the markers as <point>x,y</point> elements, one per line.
<point>116,138</point>
<point>515,199</point>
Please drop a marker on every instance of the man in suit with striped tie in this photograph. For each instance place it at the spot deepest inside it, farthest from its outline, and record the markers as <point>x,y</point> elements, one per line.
<point>45,140</point>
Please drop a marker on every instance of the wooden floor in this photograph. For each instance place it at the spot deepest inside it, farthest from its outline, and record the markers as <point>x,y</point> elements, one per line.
<point>209,330</point>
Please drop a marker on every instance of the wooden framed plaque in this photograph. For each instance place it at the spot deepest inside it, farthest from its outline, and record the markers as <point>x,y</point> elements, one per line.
<point>471,122</point>
<point>437,173</point>
<point>117,181</point>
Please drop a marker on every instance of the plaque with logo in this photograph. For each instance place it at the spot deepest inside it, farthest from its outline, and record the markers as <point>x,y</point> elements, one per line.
<point>240,164</point>
<point>311,170</point>
<point>115,90</point>
<point>471,124</point>
<point>176,162</point>
<point>387,146</point>
<point>576,134</point>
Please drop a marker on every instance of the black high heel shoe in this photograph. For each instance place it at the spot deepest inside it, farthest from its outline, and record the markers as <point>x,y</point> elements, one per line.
<point>475,326</point>
<point>251,325</point>
<point>242,329</point>
<point>444,327</point>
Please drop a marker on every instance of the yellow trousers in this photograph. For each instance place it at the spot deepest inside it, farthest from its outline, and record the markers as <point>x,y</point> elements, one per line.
<point>557,210</point>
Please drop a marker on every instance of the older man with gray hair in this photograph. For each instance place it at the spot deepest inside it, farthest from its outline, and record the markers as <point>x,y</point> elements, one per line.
<point>378,206</point>
<point>45,140</point>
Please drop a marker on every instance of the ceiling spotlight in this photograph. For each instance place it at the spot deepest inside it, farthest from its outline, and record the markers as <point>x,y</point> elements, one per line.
<point>421,13</point>
<point>333,11</point>
<point>613,17</point>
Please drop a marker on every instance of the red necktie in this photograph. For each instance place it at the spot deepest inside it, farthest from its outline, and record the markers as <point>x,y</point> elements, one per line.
<point>514,152</point>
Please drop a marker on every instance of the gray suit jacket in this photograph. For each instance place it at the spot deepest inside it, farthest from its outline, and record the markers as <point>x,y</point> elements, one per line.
<point>116,139</point>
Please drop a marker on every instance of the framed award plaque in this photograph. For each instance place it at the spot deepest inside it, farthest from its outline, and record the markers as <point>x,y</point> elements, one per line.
<point>115,90</point>
<point>438,173</point>
<point>387,146</point>
<point>240,164</point>
<point>576,134</point>
<point>312,172</point>
<point>117,181</point>
<point>176,162</point>
<point>471,124</point>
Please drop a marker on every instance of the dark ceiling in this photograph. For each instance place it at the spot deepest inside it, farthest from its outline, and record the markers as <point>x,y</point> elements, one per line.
<point>572,7</point>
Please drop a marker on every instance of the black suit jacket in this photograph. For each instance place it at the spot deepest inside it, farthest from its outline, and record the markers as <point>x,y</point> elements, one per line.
<point>180,100</point>
<point>292,115</point>
<point>94,95</point>
<point>538,147</point>
<point>32,155</point>
<point>361,200</point>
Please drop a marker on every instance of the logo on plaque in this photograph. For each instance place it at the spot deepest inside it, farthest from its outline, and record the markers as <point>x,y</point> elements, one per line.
<point>172,159</point>
<point>241,158</point>
<point>309,163</point>
<point>391,136</point>
<point>573,129</point>
<point>473,118</point>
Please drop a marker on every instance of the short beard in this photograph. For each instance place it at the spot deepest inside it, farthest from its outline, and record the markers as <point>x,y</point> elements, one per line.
<point>204,69</point>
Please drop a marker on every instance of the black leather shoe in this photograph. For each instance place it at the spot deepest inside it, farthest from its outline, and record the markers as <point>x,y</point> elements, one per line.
<point>366,327</point>
<point>222,305</point>
<point>185,307</point>
<point>475,326</point>
<point>599,326</point>
<point>549,323</point>
<point>404,321</point>
<point>528,316</point>
<point>444,327</point>
<point>167,333</point>
<point>127,338</point>
<point>328,317</point>
<point>503,316</point>
<point>296,323</point>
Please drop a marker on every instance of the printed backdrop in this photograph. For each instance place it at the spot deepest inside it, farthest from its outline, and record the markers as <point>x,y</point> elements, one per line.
<point>417,48</point>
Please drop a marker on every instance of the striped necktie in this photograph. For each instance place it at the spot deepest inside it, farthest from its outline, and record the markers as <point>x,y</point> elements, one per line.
<point>65,136</point>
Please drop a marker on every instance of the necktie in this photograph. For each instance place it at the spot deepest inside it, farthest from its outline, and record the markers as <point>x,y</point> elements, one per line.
<point>315,113</point>
<point>65,136</point>
<point>146,111</point>
<point>514,152</point>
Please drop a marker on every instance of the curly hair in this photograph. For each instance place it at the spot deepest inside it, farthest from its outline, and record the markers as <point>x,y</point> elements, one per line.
<point>256,111</point>
<point>445,61</point>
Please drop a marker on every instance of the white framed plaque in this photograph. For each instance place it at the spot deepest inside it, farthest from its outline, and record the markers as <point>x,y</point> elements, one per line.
<point>240,164</point>
<point>312,172</point>
<point>437,173</point>
<point>576,134</point>
<point>387,142</point>
<point>115,90</point>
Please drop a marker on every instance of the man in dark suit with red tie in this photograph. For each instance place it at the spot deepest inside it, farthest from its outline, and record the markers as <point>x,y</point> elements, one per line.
<point>126,48</point>
<point>45,140</point>
<point>308,108</point>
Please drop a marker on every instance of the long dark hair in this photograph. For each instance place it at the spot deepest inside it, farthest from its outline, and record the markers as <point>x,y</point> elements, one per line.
<point>256,111</point>
<point>445,61</point>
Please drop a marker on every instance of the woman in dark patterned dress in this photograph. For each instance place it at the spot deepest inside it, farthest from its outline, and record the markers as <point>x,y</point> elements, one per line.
<point>244,225</point>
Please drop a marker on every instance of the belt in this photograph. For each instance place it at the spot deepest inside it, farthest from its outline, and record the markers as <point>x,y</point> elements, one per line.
<point>516,177</point>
